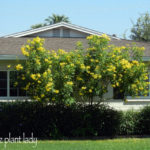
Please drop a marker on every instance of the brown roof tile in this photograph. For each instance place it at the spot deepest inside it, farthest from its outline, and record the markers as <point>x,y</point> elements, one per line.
<point>11,46</point>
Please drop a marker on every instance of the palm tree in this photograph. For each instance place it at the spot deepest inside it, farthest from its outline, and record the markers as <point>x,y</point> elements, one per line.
<point>56,19</point>
<point>51,20</point>
<point>37,26</point>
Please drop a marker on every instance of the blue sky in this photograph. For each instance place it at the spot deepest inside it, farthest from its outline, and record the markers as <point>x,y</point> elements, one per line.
<point>108,16</point>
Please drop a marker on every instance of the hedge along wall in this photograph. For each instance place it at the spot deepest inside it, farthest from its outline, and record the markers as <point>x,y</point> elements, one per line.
<point>57,121</point>
<point>60,121</point>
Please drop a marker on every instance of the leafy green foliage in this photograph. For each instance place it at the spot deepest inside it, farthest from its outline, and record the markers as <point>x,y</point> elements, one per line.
<point>129,123</point>
<point>57,121</point>
<point>56,19</point>
<point>141,30</point>
<point>38,25</point>
<point>60,121</point>
<point>143,125</point>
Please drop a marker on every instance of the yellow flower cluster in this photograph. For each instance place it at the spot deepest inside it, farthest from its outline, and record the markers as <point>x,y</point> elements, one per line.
<point>68,57</point>
<point>35,76</point>
<point>79,78</point>
<point>90,90</point>
<point>36,98</point>
<point>90,37</point>
<point>24,52</point>
<point>92,60</point>
<point>41,49</point>
<point>82,66</point>
<point>80,93</point>
<point>117,49</point>
<point>83,88</point>
<point>48,87</point>
<point>62,64</point>
<point>42,95</point>
<point>105,36</point>
<point>69,83</point>
<point>45,74</point>
<point>8,66</point>
<point>28,47</point>
<point>88,67</point>
<point>101,36</point>
<point>61,51</point>
<point>56,91</point>
<point>135,62</point>
<point>125,64</point>
<point>19,67</point>
<point>95,76</point>
<point>72,65</point>
<point>142,48</point>
<point>37,40</point>
<point>37,61</point>
<point>111,68</point>
<point>55,56</point>
<point>91,49</point>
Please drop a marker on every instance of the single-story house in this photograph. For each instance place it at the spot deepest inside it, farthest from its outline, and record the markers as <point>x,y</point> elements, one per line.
<point>64,36</point>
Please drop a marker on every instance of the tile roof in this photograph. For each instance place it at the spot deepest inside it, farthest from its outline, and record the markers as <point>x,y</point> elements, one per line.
<point>11,46</point>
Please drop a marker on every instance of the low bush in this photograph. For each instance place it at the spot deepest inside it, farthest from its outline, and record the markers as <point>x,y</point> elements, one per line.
<point>62,121</point>
<point>57,121</point>
<point>129,123</point>
<point>143,125</point>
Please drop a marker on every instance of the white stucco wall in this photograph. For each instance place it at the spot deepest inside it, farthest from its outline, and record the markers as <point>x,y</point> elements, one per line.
<point>129,104</point>
<point>135,104</point>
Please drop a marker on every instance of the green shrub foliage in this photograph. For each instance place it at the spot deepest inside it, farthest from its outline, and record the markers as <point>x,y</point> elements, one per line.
<point>62,121</point>
<point>143,125</point>
<point>57,121</point>
<point>129,123</point>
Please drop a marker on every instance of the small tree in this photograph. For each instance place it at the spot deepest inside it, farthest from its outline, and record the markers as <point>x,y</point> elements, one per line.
<point>66,77</point>
<point>141,30</point>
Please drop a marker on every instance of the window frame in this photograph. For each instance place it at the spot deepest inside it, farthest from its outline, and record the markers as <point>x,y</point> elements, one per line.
<point>8,97</point>
<point>142,97</point>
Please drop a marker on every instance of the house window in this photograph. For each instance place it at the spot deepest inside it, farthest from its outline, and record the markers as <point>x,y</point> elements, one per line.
<point>15,91</point>
<point>56,32</point>
<point>3,83</point>
<point>7,88</point>
<point>120,95</point>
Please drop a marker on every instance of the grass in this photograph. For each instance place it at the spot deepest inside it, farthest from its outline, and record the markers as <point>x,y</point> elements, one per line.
<point>115,144</point>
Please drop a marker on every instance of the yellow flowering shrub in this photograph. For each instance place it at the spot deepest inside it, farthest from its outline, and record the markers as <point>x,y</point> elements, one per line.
<point>67,77</point>
<point>120,67</point>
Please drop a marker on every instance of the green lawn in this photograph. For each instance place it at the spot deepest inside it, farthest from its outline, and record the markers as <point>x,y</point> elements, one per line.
<point>116,144</point>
